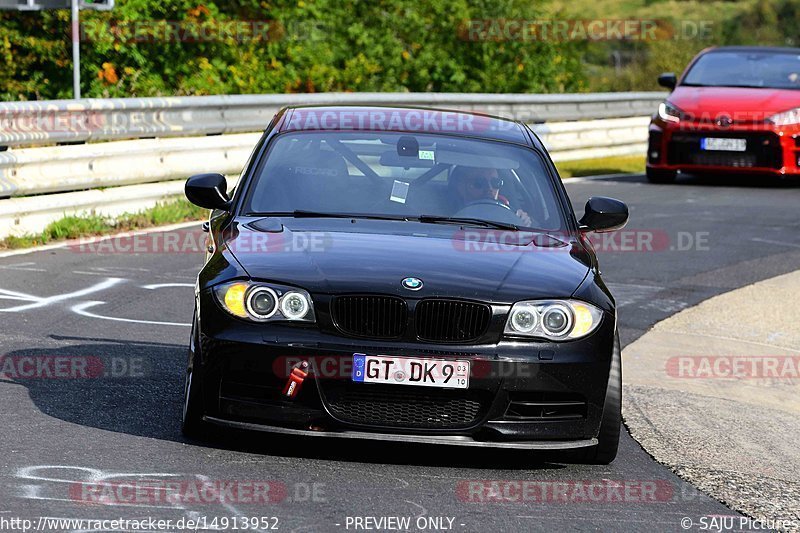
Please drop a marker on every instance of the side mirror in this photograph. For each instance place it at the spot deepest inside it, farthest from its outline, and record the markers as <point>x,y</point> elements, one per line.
<point>604,214</point>
<point>668,80</point>
<point>208,190</point>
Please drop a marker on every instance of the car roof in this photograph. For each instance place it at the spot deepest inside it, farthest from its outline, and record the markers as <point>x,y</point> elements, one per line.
<point>402,119</point>
<point>768,49</point>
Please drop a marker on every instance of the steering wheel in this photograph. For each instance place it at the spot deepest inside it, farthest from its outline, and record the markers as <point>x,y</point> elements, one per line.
<point>490,209</point>
<point>487,201</point>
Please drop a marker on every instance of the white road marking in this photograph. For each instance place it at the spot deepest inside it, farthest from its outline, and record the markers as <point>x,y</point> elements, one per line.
<point>666,305</point>
<point>231,509</point>
<point>422,512</point>
<point>14,295</point>
<point>91,476</point>
<point>81,309</point>
<point>33,497</point>
<point>579,179</point>
<point>779,243</point>
<point>626,294</point>
<point>22,266</point>
<point>164,285</point>
<point>113,268</point>
<point>77,242</point>
<point>44,302</point>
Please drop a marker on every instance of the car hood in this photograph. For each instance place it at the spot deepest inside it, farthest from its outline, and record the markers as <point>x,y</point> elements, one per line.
<point>374,257</point>
<point>735,102</point>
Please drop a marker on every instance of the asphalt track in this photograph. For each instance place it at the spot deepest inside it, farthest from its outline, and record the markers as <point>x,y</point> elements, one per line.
<point>57,433</point>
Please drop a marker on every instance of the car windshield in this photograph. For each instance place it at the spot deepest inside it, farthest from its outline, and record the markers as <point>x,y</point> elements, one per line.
<point>398,175</point>
<point>746,69</point>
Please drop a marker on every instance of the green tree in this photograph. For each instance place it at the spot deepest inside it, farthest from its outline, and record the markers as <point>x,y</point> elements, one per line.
<point>151,48</point>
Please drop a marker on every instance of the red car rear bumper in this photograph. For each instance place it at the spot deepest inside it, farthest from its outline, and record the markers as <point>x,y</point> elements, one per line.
<point>769,149</point>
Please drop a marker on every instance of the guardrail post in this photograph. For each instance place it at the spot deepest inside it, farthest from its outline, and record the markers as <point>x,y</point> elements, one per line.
<point>76,50</point>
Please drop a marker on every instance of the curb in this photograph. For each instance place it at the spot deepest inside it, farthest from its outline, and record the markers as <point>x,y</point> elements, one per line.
<point>713,392</point>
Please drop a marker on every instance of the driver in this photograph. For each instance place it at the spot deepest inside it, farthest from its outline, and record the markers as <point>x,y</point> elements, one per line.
<point>472,184</point>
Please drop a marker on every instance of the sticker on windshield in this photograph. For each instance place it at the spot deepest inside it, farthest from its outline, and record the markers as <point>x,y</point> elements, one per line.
<point>426,154</point>
<point>399,192</point>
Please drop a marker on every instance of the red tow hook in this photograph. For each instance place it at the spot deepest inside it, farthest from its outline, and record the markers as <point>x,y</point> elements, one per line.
<point>296,377</point>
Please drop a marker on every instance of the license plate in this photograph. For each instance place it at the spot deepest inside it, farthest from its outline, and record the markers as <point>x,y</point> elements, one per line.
<point>723,145</point>
<point>410,371</point>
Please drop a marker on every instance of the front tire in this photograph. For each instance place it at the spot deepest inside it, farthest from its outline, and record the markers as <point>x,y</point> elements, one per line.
<point>660,176</point>
<point>192,423</point>
<point>610,425</point>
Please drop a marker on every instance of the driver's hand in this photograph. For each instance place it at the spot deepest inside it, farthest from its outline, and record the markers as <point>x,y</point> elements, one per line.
<point>523,216</point>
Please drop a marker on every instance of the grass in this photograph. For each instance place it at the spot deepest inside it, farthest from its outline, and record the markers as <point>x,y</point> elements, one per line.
<point>626,164</point>
<point>715,10</point>
<point>74,227</point>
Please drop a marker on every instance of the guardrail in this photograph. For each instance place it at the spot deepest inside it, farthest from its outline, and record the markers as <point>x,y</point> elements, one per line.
<point>168,139</point>
<point>31,171</point>
<point>65,121</point>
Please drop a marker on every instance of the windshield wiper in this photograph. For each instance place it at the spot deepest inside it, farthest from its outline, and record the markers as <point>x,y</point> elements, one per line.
<point>730,85</point>
<point>745,86</point>
<point>435,219</point>
<point>300,213</point>
<point>370,216</point>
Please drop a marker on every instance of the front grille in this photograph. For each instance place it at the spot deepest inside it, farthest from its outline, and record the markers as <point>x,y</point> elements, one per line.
<point>401,406</point>
<point>451,320</point>
<point>763,150</point>
<point>545,406</point>
<point>377,317</point>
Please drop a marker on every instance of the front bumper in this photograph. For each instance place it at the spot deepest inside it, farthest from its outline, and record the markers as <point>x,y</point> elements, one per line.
<point>541,395</point>
<point>448,440</point>
<point>770,151</point>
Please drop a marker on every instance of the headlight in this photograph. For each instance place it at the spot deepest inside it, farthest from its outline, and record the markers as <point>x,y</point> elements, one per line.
<point>294,305</point>
<point>524,319</point>
<point>786,118</point>
<point>553,319</point>
<point>669,113</point>
<point>556,320</point>
<point>262,303</point>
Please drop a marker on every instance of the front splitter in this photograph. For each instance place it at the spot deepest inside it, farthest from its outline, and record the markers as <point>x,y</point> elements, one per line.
<point>448,440</point>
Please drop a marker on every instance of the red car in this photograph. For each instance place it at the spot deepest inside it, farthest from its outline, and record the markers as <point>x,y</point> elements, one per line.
<point>734,110</point>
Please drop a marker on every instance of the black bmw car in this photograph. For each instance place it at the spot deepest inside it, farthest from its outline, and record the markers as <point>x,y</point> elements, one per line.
<point>404,274</point>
